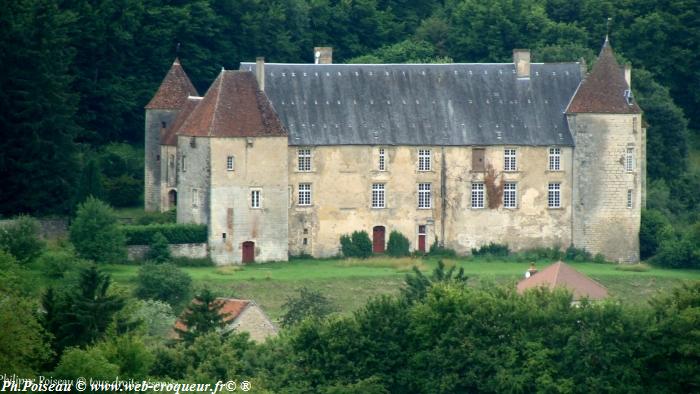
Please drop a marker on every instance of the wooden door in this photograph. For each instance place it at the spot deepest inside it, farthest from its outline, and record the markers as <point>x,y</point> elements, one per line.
<point>248,252</point>
<point>421,238</point>
<point>378,239</point>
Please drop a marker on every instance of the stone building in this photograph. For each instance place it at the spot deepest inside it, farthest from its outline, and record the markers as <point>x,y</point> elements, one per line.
<point>282,159</point>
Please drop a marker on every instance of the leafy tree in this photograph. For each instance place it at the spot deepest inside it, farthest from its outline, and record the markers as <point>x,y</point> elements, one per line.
<point>90,362</point>
<point>21,239</point>
<point>91,181</point>
<point>159,250</point>
<point>156,318</point>
<point>56,264</point>
<point>398,245</point>
<point>357,244</point>
<point>202,316</point>
<point>163,282</point>
<point>654,228</point>
<point>96,234</point>
<point>129,353</point>
<point>308,304</point>
<point>417,285</point>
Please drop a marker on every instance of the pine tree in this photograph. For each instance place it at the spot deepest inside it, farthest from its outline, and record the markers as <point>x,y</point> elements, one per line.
<point>202,316</point>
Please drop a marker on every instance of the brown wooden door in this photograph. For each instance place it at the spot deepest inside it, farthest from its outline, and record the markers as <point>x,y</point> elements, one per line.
<point>248,252</point>
<point>421,239</point>
<point>378,239</point>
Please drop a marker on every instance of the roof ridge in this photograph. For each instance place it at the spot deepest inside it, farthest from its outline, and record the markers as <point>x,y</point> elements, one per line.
<point>216,103</point>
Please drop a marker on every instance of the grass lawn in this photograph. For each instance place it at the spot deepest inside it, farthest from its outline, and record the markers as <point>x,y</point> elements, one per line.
<point>350,283</point>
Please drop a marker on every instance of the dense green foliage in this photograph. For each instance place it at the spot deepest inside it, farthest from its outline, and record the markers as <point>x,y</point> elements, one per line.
<point>95,233</point>
<point>158,250</point>
<point>163,282</point>
<point>21,239</point>
<point>357,244</point>
<point>308,304</point>
<point>398,245</point>
<point>492,249</point>
<point>173,233</point>
<point>417,284</point>
<point>202,316</point>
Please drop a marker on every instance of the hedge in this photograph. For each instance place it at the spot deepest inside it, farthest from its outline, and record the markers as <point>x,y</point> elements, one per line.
<point>174,233</point>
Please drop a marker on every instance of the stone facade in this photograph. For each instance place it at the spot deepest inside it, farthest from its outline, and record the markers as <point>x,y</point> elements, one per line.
<point>193,179</point>
<point>156,121</point>
<point>193,251</point>
<point>255,322</point>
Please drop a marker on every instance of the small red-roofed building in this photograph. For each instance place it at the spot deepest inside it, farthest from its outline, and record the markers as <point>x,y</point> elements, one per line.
<point>561,275</point>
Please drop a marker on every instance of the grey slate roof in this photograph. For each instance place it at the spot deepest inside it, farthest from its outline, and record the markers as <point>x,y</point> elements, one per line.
<point>421,104</point>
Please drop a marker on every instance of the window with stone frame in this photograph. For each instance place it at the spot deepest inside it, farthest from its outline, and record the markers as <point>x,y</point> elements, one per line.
<point>478,198</point>
<point>630,195</point>
<point>510,195</point>
<point>378,196</point>
<point>229,163</point>
<point>509,160</point>
<point>304,159</point>
<point>424,163</point>
<point>382,159</point>
<point>304,196</point>
<point>256,198</point>
<point>184,161</point>
<point>554,195</point>
<point>195,198</point>
<point>629,159</point>
<point>424,196</point>
<point>554,159</point>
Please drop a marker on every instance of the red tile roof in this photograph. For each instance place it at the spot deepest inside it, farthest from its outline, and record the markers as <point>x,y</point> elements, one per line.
<point>174,90</point>
<point>603,90</point>
<point>231,308</point>
<point>234,106</point>
<point>168,136</point>
<point>560,274</point>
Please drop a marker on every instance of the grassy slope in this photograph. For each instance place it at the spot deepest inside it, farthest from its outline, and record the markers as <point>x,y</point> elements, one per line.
<point>350,283</point>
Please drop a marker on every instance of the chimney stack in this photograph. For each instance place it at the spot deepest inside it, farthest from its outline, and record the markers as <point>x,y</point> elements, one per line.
<point>628,75</point>
<point>521,59</point>
<point>323,55</point>
<point>260,72</point>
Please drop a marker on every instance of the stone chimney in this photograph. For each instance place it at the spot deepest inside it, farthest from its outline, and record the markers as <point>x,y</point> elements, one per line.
<point>521,59</point>
<point>628,74</point>
<point>260,72</point>
<point>323,55</point>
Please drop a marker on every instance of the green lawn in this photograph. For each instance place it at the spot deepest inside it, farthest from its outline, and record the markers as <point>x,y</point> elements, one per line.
<point>349,283</point>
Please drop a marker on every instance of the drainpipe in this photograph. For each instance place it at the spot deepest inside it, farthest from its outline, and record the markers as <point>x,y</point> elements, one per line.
<point>443,196</point>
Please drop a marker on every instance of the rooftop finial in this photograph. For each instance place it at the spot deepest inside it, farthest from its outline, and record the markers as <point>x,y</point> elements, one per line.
<point>177,50</point>
<point>607,29</point>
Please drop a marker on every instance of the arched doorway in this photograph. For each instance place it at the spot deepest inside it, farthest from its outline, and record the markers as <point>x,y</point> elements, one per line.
<point>378,239</point>
<point>172,199</point>
<point>248,252</point>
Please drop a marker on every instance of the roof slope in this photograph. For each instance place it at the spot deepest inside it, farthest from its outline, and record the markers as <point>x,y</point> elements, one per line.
<point>233,106</point>
<point>169,135</point>
<point>603,90</point>
<point>560,274</point>
<point>421,104</point>
<point>174,90</point>
<point>231,308</point>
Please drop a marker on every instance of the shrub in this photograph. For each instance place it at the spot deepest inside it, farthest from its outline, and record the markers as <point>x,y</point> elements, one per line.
<point>599,258</point>
<point>163,282</point>
<point>576,254</point>
<point>309,303</point>
<point>21,239</point>
<point>157,217</point>
<point>96,234</point>
<point>55,264</point>
<point>174,233</point>
<point>492,249</point>
<point>437,250</point>
<point>357,244</point>
<point>192,261</point>
<point>159,250</point>
<point>678,253</point>
<point>654,228</point>
<point>398,245</point>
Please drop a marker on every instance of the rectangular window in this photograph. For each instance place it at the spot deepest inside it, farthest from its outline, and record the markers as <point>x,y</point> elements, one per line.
<point>255,198</point>
<point>195,198</point>
<point>554,195</point>
<point>304,194</point>
<point>554,159</point>
<point>510,195</point>
<point>629,160</point>
<point>423,159</point>
<point>509,163</point>
<point>478,159</point>
<point>424,196</point>
<point>378,195</point>
<point>382,159</point>
<point>304,159</point>
<point>629,198</point>
<point>229,163</point>
<point>477,195</point>
<point>184,167</point>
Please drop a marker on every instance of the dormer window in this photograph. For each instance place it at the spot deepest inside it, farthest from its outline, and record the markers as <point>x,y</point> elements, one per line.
<point>628,96</point>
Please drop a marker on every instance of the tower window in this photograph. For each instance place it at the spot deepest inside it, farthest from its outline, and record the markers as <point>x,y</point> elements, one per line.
<point>510,195</point>
<point>477,195</point>
<point>163,124</point>
<point>382,159</point>
<point>255,198</point>
<point>229,163</point>
<point>424,196</point>
<point>304,160</point>
<point>423,159</point>
<point>304,194</point>
<point>509,163</point>
<point>184,166</point>
<point>629,160</point>
<point>554,159</point>
<point>629,198</point>
<point>554,195</point>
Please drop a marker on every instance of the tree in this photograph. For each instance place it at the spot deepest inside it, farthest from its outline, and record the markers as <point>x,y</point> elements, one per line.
<point>159,250</point>
<point>398,245</point>
<point>308,304</point>
<point>654,228</point>
<point>163,282</point>
<point>417,285</point>
<point>96,234</point>
<point>91,181</point>
<point>21,239</point>
<point>357,244</point>
<point>202,316</point>
<point>90,362</point>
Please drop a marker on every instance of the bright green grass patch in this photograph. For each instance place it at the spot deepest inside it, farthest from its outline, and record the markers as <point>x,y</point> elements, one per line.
<point>403,264</point>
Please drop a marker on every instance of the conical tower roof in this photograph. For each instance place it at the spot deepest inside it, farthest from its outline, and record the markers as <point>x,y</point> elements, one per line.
<point>174,90</point>
<point>234,106</point>
<point>604,89</point>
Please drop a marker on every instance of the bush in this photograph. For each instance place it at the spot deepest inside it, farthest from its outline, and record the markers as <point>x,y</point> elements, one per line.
<point>192,262</point>
<point>55,264</point>
<point>163,282</point>
<point>309,303</point>
<point>576,254</point>
<point>96,234</point>
<point>678,253</point>
<point>174,233</point>
<point>356,245</point>
<point>21,239</point>
<point>159,250</point>
<point>437,250</point>
<point>398,245</point>
<point>654,228</point>
<point>492,249</point>
<point>157,217</point>
<point>124,191</point>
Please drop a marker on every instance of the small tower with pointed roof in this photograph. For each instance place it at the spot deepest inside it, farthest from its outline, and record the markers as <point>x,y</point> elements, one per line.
<point>609,155</point>
<point>161,111</point>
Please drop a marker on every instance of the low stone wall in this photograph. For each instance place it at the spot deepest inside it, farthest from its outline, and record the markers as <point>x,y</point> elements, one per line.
<point>50,228</point>
<point>193,251</point>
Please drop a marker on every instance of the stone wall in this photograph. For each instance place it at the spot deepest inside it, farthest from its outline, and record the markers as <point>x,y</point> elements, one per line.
<point>49,228</point>
<point>194,179</point>
<point>255,322</point>
<point>168,181</point>
<point>602,222</point>
<point>193,251</point>
<point>152,166</point>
